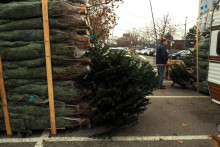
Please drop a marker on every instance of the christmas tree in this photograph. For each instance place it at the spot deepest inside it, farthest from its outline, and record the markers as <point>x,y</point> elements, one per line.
<point>203,63</point>
<point>119,82</point>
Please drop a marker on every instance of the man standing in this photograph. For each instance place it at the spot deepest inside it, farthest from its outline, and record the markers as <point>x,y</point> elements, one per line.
<point>161,61</point>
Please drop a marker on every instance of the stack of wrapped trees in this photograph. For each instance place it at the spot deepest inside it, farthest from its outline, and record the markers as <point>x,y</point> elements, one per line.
<point>24,65</point>
<point>203,62</point>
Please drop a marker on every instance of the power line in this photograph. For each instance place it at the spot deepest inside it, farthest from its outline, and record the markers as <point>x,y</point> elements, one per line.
<point>133,14</point>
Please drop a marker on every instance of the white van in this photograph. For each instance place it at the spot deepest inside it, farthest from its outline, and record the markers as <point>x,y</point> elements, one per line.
<point>214,58</point>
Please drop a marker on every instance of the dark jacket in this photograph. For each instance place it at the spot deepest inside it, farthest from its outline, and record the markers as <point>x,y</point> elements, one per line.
<point>161,56</point>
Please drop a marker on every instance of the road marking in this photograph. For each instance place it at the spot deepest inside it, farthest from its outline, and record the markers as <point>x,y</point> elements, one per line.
<point>131,138</point>
<point>19,140</point>
<point>45,138</point>
<point>42,139</point>
<point>178,97</point>
<point>216,101</point>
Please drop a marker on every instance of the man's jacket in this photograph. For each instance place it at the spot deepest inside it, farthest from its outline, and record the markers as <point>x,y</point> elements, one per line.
<point>161,56</point>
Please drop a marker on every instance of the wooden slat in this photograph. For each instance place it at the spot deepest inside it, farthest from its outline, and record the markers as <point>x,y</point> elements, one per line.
<point>214,91</point>
<point>214,62</point>
<point>197,54</point>
<point>48,64</point>
<point>216,28</point>
<point>4,101</point>
<point>217,58</point>
<point>215,141</point>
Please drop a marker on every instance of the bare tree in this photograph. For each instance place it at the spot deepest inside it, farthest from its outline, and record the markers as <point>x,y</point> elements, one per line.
<point>164,26</point>
<point>102,15</point>
<point>134,34</point>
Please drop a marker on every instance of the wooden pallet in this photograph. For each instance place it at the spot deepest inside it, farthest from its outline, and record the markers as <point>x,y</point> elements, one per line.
<point>215,141</point>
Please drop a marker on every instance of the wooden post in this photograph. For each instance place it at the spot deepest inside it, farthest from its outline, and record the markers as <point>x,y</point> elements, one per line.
<point>4,101</point>
<point>197,54</point>
<point>49,66</point>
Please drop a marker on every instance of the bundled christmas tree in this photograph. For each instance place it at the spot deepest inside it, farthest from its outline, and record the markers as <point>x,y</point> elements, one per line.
<point>203,62</point>
<point>181,75</point>
<point>24,65</point>
<point>120,82</point>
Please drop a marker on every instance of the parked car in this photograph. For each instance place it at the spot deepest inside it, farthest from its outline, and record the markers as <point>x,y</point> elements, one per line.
<point>143,51</point>
<point>151,51</point>
<point>138,51</point>
<point>147,52</point>
<point>115,50</point>
<point>168,52</point>
<point>178,54</point>
<point>133,50</point>
<point>186,54</point>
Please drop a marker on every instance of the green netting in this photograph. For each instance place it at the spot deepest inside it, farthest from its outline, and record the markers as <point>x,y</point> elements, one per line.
<point>64,22</point>
<point>74,1</point>
<point>203,54</point>
<point>13,44</point>
<point>40,62</point>
<point>38,35</point>
<point>35,50</point>
<point>63,91</point>
<point>61,73</point>
<point>203,64</point>
<point>24,10</point>
<point>204,45</point>
<point>203,87</point>
<point>24,64</point>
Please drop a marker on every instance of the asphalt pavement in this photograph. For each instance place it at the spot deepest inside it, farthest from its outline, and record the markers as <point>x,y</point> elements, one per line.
<point>176,117</point>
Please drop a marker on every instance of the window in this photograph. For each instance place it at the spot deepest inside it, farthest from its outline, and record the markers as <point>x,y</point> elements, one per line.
<point>218,44</point>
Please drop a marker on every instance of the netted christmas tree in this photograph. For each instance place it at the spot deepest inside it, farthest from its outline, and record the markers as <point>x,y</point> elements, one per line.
<point>120,82</point>
<point>191,78</point>
<point>181,75</point>
<point>24,65</point>
<point>203,62</point>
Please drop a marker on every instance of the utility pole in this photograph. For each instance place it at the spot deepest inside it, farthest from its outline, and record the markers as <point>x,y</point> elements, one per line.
<point>153,21</point>
<point>185,26</point>
<point>185,33</point>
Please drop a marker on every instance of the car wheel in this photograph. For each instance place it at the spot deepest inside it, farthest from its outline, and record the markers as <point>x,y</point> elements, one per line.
<point>178,57</point>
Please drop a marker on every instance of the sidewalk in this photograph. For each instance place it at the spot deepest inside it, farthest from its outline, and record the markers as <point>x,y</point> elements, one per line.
<point>176,90</point>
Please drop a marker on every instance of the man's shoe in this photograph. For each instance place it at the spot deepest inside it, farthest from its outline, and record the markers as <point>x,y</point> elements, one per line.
<point>162,87</point>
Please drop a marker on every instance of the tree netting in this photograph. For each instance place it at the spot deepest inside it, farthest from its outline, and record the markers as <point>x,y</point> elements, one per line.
<point>185,78</point>
<point>203,63</point>
<point>180,75</point>
<point>24,65</point>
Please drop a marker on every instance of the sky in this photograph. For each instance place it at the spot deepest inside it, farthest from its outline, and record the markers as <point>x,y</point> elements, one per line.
<point>137,13</point>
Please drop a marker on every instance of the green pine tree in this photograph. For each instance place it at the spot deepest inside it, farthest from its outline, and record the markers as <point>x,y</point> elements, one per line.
<point>119,82</point>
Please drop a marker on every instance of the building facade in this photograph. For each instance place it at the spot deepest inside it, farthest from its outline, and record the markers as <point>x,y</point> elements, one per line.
<point>206,8</point>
